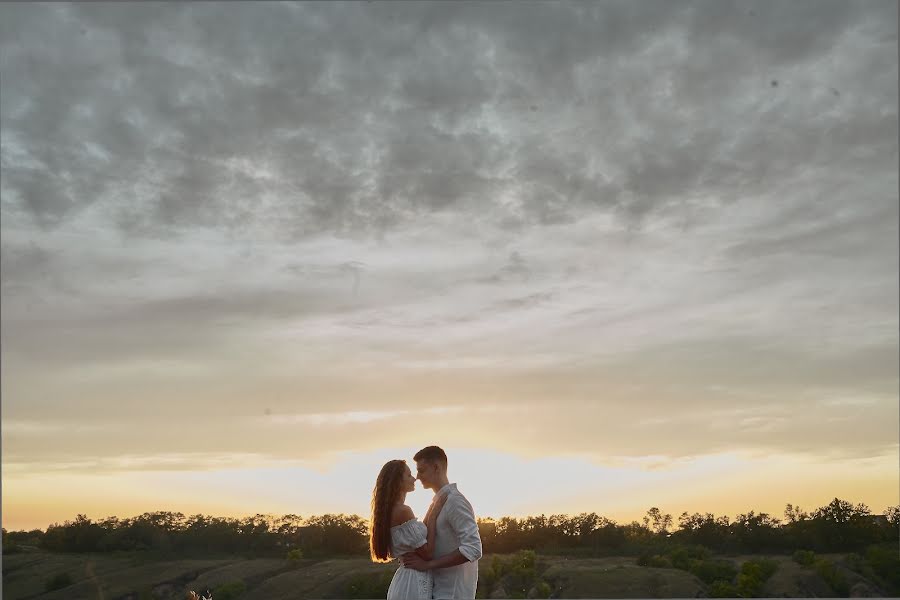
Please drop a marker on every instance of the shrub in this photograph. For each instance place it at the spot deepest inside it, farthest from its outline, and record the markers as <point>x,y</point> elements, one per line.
<point>754,573</point>
<point>856,563</point>
<point>58,582</point>
<point>544,590</point>
<point>486,580</point>
<point>523,561</point>
<point>366,585</point>
<point>885,562</point>
<point>295,554</point>
<point>518,575</point>
<point>229,591</point>
<point>710,571</point>
<point>749,585</point>
<point>804,557</point>
<point>722,589</point>
<point>680,558</point>
<point>832,576</point>
<point>10,546</point>
<point>498,566</point>
<point>761,567</point>
<point>654,560</point>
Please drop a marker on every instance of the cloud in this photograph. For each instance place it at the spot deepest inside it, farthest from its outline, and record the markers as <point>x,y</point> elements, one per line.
<point>674,209</point>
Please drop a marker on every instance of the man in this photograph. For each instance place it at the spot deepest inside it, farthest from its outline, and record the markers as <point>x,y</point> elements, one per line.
<point>457,542</point>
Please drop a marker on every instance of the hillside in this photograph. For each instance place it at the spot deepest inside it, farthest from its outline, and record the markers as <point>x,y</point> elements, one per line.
<point>28,575</point>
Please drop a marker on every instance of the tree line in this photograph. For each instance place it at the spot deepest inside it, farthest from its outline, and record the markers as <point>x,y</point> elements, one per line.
<point>840,526</point>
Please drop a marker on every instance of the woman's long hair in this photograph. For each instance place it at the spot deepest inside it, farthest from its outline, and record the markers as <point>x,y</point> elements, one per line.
<point>388,488</point>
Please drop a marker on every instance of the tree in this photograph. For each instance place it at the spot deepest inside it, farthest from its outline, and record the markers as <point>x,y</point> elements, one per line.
<point>892,513</point>
<point>840,511</point>
<point>842,526</point>
<point>705,530</point>
<point>794,514</point>
<point>334,534</point>
<point>756,532</point>
<point>660,522</point>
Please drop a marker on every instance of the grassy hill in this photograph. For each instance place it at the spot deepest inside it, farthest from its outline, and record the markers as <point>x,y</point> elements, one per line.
<point>32,575</point>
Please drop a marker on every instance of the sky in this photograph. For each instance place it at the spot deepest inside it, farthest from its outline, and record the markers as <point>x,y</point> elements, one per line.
<point>608,255</point>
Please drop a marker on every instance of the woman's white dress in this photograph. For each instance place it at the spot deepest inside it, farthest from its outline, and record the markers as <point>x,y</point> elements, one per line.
<point>409,584</point>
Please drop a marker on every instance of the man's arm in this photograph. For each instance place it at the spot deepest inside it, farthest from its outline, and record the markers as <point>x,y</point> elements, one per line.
<point>412,560</point>
<point>451,560</point>
<point>461,519</point>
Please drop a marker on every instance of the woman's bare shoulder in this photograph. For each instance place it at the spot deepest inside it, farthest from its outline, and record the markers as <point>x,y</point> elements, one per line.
<point>401,514</point>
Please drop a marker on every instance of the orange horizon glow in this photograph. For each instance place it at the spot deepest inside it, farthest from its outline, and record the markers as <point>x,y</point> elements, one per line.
<point>726,486</point>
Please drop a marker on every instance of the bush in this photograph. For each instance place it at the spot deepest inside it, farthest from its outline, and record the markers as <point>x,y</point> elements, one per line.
<point>497,566</point>
<point>518,575</point>
<point>525,560</point>
<point>366,585</point>
<point>58,582</point>
<point>722,589</point>
<point>832,576</point>
<point>749,585</point>
<point>710,571</point>
<point>885,562</point>
<point>486,580</point>
<point>521,575</point>
<point>10,546</point>
<point>229,591</point>
<point>522,562</point>
<point>683,557</point>
<point>761,567</point>
<point>295,554</point>
<point>804,557</point>
<point>544,590</point>
<point>856,563</point>
<point>654,560</point>
<point>754,573</point>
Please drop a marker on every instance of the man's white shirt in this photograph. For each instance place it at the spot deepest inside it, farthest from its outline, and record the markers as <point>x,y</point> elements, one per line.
<point>456,529</point>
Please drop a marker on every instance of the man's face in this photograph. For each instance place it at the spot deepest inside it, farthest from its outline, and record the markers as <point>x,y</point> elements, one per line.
<point>425,472</point>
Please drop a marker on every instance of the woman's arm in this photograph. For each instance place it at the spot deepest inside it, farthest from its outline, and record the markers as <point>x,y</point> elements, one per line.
<point>427,551</point>
<point>462,520</point>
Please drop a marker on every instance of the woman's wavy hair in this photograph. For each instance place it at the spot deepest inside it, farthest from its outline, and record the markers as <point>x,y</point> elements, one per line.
<point>388,488</point>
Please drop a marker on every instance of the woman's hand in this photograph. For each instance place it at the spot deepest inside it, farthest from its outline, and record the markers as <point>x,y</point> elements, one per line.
<point>435,509</point>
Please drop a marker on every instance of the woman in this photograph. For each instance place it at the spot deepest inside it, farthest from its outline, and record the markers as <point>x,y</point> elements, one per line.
<point>394,530</point>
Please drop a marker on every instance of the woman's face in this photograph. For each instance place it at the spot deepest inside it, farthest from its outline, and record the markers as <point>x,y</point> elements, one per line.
<point>409,482</point>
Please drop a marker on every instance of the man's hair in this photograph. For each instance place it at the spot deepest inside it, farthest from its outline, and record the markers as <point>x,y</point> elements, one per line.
<point>431,454</point>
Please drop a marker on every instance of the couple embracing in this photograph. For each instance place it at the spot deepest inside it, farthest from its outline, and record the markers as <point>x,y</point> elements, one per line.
<point>438,555</point>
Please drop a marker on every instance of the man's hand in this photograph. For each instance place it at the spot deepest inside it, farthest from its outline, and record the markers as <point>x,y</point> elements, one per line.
<point>411,560</point>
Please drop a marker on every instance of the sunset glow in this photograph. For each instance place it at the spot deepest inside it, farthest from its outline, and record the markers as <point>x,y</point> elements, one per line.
<point>253,251</point>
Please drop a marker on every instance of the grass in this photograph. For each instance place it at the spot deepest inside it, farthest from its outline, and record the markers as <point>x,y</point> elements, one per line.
<point>26,576</point>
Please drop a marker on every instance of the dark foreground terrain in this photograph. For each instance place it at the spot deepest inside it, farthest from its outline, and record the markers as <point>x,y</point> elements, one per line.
<point>45,576</point>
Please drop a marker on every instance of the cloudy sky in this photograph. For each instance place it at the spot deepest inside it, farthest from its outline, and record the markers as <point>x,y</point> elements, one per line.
<point>609,255</point>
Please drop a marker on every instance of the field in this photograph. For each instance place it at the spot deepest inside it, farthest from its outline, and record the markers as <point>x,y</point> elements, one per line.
<point>30,575</point>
